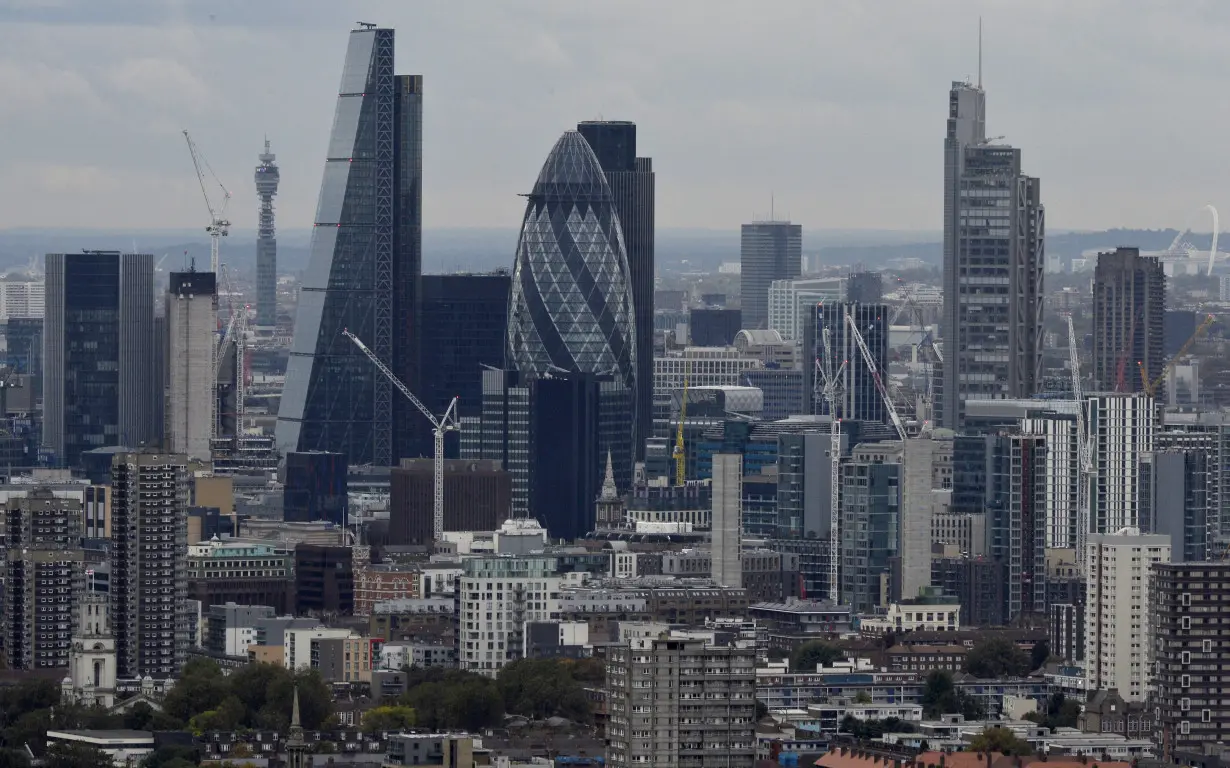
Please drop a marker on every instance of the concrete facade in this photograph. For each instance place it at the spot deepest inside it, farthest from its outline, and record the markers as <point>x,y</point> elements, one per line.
<point>727,517</point>
<point>1117,609</point>
<point>192,322</point>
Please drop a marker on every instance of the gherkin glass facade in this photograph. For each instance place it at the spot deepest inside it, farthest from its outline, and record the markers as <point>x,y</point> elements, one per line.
<point>571,306</point>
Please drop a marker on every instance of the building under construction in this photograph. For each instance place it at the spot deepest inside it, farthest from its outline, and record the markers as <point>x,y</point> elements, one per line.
<point>191,323</point>
<point>1129,315</point>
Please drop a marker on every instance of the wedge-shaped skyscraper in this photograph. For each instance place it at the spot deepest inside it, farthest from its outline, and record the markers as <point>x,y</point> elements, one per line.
<point>571,307</point>
<point>363,272</point>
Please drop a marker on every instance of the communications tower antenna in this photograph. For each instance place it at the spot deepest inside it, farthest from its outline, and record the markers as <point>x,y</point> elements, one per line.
<point>445,423</point>
<point>219,225</point>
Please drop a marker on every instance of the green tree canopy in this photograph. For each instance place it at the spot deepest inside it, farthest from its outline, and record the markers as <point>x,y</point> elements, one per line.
<point>1060,712</point>
<point>390,717</point>
<point>1040,653</point>
<point>542,688</point>
<point>172,756</point>
<point>1001,740</point>
<point>809,654</point>
<point>444,699</point>
<point>256,696</point>
<point>61,755</point>
<point>940,696</point>
<point>997,657</point>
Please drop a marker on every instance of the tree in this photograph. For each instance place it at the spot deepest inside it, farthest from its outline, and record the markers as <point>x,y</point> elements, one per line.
<point>451,699</point>
<point>814,652</point>
<point>1060,712</point>
<point>62,755</point>
<point>997,657</point>
<point>542,688</point>
<point>172,756</point>
<point>940,696</point>
<point>256,696</point>
<point>862,697</point>
<point>998,739</point>
<point>201,687</point>
<point>388,718</point>
<point>1040,653</point>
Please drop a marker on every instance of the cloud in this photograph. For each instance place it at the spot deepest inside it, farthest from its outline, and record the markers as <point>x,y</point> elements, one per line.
<point>837,109</point>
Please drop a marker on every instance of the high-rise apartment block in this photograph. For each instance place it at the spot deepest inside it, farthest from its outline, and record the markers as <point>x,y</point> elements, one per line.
<point>769,250</point>
<point>681,701</point>
<point>994,254</point>
<point>498,595</point>
<point>192,329</point>
<point>149,587</point>
<point>1117,609</point>
<point>1121,429</point>
<point>631,180</point>
<point>1189,654</point>
<point>1062,474</point>
<point>1129,311</point>
<point>101,384</point>
<point>1016,519</point>
<point>267,178</point>
<point>869,530</point>
<point>44,576</point>
<point>827,339</point>
<point>22,298</point>
<point>363,271</point>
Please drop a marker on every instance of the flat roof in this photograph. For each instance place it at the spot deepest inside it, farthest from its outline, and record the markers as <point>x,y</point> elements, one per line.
<point>116,737</point>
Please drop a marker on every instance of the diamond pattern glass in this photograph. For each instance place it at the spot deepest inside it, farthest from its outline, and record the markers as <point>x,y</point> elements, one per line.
<point>571,307</point>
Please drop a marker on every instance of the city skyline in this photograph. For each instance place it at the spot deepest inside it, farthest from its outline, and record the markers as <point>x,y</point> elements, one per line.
<point>790,107</point>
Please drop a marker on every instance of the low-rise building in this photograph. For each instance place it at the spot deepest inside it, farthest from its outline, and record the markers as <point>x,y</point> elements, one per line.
<point>243,572</point>
<point>913,617</point>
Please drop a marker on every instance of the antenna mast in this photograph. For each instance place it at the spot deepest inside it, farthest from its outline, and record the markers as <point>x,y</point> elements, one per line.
<point>980,53</point>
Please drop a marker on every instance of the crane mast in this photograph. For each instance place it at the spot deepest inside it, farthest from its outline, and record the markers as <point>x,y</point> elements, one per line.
<point>681,459</point>
<point>1084,449</point>
<point>830,380</point>
<point>219,226</point>
<point>445,423</point>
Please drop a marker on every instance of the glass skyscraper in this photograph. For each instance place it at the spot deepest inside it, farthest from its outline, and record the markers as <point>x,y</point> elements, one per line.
<point>101,383</point>
<point>363,272</point>
<point>571,309</point>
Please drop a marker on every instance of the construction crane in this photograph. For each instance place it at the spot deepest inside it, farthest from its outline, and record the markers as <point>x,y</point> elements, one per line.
<point>1084,449</point>
<point>875,375</point>
<point>219,225</point>
<point>1151,386</point>
<point>681,459</point>
<point>241,371</point>
<point>830,381</point>
<point>446,423</point>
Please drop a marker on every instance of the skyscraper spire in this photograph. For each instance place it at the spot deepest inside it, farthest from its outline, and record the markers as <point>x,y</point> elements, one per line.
<point>979,52</point>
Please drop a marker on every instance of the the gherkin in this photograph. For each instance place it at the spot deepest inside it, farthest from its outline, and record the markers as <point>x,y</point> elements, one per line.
<point>571,308</point>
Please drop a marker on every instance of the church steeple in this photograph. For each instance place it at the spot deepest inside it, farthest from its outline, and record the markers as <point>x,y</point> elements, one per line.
<point>609,491</point>
<point>296,746</point>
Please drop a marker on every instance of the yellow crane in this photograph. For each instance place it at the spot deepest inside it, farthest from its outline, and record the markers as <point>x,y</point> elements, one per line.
<point>681,459</point>
<point>1151,386</point>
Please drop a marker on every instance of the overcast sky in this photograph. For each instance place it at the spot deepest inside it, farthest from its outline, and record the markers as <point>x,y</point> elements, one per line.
<point>836,108</point>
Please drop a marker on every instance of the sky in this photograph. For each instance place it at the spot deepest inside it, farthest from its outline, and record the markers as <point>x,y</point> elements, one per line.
<point>834,109</point>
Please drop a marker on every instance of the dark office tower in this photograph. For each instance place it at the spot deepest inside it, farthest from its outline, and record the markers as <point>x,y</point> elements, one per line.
<point>859,398</point>
<point>24,340</point>
<point>865,287</point>
<point>501,432</point>
<point>631,179</point>
<point>994,229</point>
<point>770,250</point>
<point>315,488</point>
<point>477,497</point>
<point>870,520</point>
<point>1016,519</point>
<point>100,383</point>
<point>576,420</point>
<point>714,327</point>
<point>45,573</point>
<point>465,319</point>
<point>363,271</point>
<point>1178,326</point>
<point>267,179</point>
<point>149,584</point>
<point>324,579</point>
<point>1129,316</point>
